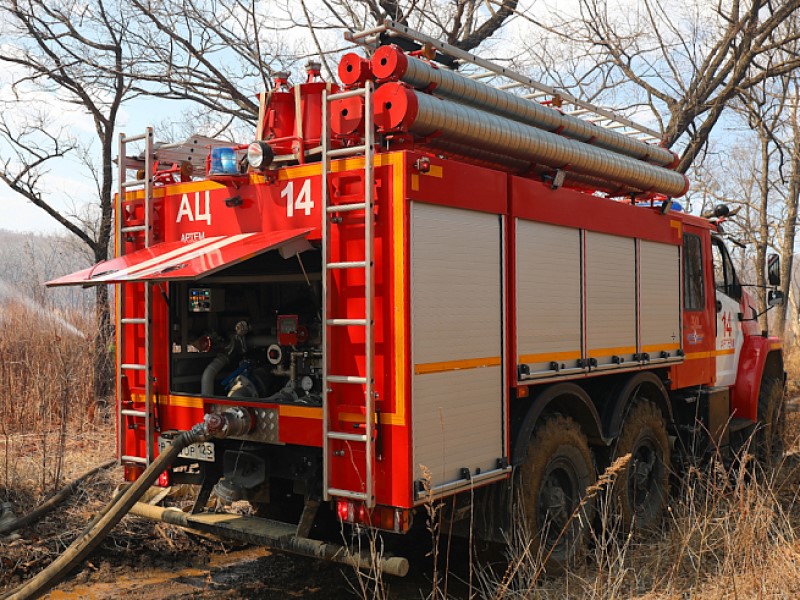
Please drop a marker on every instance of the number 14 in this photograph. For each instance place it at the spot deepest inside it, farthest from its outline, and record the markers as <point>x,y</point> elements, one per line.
<point>303,200</point>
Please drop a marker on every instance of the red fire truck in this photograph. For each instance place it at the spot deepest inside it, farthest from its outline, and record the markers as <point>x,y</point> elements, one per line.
<point>417,285</point>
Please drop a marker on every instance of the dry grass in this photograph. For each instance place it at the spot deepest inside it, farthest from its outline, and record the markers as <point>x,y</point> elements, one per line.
<point>45,394</point>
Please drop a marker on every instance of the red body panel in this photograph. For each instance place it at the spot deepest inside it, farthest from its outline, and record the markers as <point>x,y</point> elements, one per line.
<point>287,206</point>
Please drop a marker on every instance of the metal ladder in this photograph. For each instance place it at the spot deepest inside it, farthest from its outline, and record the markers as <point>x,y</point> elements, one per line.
<point>130,418</point>
<point>332,218</point>
<point>599,115</point>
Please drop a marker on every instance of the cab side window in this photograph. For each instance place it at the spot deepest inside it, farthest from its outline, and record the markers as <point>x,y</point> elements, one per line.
<point>693,292</point>
<point>725,279</point>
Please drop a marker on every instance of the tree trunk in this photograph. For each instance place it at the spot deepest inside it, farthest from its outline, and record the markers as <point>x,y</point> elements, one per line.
<point>763,231</point>
<point>790,226</point>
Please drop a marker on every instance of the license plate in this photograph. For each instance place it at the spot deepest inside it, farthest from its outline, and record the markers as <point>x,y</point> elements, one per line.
<point>201,451</point>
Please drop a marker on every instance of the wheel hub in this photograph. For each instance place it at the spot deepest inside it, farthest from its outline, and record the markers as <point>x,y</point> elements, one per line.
<point>644,473</point>
<point>557,499</point>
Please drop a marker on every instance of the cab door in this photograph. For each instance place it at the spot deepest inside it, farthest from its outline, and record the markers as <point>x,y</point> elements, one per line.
<point>698,310</point>
<point>728,293</point>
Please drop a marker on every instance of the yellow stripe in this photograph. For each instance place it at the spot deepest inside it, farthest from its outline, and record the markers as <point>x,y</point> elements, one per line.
<point>171,400</point>
<point>598,352</point>
<point>303,412</point>
<point>657,347</point>
<point>307,412</point>
<point>415,182</point>
<point>776,345</point>
<point>697,355</point>
<point>398,251</point>
<point>436,171</point>
<point>177,188</point>
<point>456,365</point>
<point>386,419</point>
<point>548,356</point>
<point>677,225</point>
<point>348,164</point>
<point>709,354</point>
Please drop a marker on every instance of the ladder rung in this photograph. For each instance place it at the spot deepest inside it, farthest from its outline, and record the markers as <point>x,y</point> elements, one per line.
<point>535,95</point>
<point>128,412</point>
<point>346,379</point>
<point>359,264</point>
<point>133,182</point>
<point>347,437</point>
<point>136,459</point>
<point>347,151</point>
<point>132,321</point>
<point>347,207</point>
<point>133,367</point>
<point>509,86</point>
<point>134,138</point>
<point>347,494</point>
<point>346,322</point>
<point>347,94</point>
<point>133,228</point>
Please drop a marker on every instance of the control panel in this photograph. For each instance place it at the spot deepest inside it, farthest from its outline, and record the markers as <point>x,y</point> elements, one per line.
<point>206,300</point>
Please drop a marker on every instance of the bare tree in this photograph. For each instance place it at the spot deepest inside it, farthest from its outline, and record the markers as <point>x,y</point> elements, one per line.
<point>790,221</point>
<point>220,55</point>
<point>685,62</point>
<point>74,52</point>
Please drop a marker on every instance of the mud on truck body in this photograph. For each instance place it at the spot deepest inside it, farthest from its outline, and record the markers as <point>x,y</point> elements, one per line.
<point>418,286</point>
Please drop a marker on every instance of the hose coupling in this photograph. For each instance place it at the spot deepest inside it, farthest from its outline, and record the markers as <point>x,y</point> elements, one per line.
<point>235,421</point>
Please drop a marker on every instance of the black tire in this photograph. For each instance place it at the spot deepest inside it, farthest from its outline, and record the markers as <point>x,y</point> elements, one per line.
<point>553,480</point>
<point>641,490</point>
<point>771,421</point>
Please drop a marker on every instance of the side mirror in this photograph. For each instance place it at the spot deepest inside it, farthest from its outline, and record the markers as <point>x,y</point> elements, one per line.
<point>775,298</point>
<point>774,269</point>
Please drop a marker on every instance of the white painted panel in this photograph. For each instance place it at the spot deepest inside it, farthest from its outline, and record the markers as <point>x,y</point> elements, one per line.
<point>455,284</point>
<point>548,294</point>
<point>458,422</point>
<point>659,290</point>
<point>610,296</point>
<point>456,315</point>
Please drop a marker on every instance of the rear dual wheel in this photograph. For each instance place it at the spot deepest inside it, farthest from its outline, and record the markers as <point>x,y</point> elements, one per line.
<point>554,480</point>
<point>641,488</point>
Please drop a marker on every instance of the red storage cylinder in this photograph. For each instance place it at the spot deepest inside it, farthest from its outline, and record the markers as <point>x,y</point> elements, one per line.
<point>293,116</point>
<point>279,116</point>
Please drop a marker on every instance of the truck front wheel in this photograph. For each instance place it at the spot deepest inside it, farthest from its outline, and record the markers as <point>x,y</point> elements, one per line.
<point>640,490</point>
<point>771,420</point>
<point>555,476</point>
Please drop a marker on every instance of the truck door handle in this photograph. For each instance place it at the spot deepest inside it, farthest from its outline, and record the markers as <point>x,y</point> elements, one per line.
<point>719,306</point>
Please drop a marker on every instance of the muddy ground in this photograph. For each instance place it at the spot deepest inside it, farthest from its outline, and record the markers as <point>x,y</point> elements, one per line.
<point>149,561</point>
<point>143,559</point>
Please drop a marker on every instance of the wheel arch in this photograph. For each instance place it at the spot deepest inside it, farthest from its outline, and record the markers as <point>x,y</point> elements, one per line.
<point>759,356</point>
<point>622,395</point>
<point>567,399</point>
